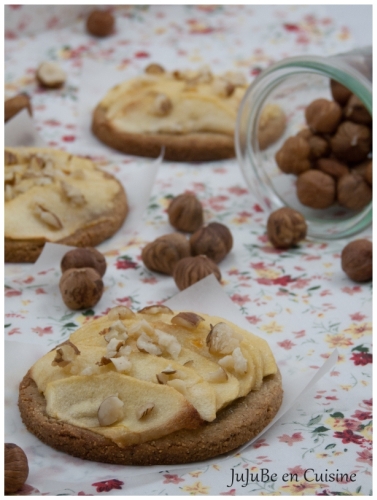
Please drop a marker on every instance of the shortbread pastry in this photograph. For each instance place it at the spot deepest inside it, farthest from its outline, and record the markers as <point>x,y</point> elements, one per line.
<point>189,115</point>
<point>153,387</point>
<point>53,196</point>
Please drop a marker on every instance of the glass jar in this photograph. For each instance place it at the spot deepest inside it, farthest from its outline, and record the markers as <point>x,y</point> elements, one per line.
<point>292,84</point>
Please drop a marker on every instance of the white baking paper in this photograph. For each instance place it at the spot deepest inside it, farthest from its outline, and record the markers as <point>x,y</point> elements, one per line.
<point>206,296</point>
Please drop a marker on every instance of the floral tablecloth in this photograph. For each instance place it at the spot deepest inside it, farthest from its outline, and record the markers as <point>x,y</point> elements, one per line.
<point>299,300</point>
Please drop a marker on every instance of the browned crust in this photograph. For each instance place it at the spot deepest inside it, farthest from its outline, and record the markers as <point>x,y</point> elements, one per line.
<point>186,147</point>
<point>108,223</point>
<point>234,426</point>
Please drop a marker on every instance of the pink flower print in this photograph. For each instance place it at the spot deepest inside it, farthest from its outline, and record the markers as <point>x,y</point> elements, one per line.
<point>301,283</point>
<point>365,456</point>
<point>291,27</point>
<point>42,331</point>
<point>253,319</point>
<point>13,331</point>
<point>237,190</point>
<point>351,290</point>
<point>283,280</point>
<point>11,292</point>
<point>362,415</point>
<point>240,299</point>
<point>151,281</point>
<point>298,470</point>
<point>40,291</point>
<point>127,301</point>
<point>286,344</point>
<point>68,138</point>
<point>141,54</point>
<point>231,492</point>
<point>126,264</point>
<point>172,478</point>
<point>259,443</point>
<point>290,440</point>
<point>362,358</point>
<point>257,208</point>
<point>357,317</point>
<point>348,436</point>
<point>111,484</point>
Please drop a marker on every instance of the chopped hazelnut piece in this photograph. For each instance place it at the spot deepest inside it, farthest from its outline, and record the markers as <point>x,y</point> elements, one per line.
<point>65,354</point>
<point>120,312</point>
<point>187,320</point>
<point>144,410</point>
<point>144,344</point>
<point>73,194</point>
<point>47,216</point>
<point>162,105</point>
<point>220,339</point>
<point>122,364</point>
<point>110,411</point>
<point>156,309</point>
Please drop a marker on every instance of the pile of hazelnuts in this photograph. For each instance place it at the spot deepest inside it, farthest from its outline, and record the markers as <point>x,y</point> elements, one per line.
<point>188,259</point>
<point>81,284</point>
<point>332,155</point>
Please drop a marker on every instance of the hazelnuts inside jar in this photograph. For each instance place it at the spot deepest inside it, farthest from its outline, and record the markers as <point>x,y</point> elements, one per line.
<point>332,155</point>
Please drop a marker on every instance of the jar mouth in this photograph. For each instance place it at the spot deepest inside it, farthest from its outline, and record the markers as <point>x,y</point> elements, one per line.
<point>292,84</point>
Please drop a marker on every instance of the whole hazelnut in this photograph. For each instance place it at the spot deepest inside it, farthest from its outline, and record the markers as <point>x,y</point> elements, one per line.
<point>368,173</point>
<point>213,240</point>
<point>355,111</point>
<point>84,257</point>
<point>100,23</point>
<point>286,227</point>
<point>293,156</point>
<point>316,189</point>
<point>365,169</point>
<point>339,92</point>
<point>162,254</point>
<point>193,269</point>
<point>319,147</point>
<point>323,116</point>
<point>332,167</point>
<point>357,260</point>
<point>15,104</point>
<point>353,191</point>
<point>81,288</point>
<point>154,69</point>
<point>16,468</point>
<point>352,142</point>
<point>185,213</point>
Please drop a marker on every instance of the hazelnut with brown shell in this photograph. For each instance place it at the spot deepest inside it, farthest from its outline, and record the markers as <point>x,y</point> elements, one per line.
<point>162,254</point>
<point>100,23</point>
<point>81,288</point>
<point>190,270</point>
<point>213,240</point>
<point>185,213</point>
<point>286,227</point>
<point>316,189</point>
<point>357,260</point>
<point>16,468</point>
<point>84,257</point>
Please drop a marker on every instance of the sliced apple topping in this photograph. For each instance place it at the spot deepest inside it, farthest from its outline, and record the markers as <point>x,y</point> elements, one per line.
<point>188,320</point>
<point>217,376</point>
<point>110,411</point>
